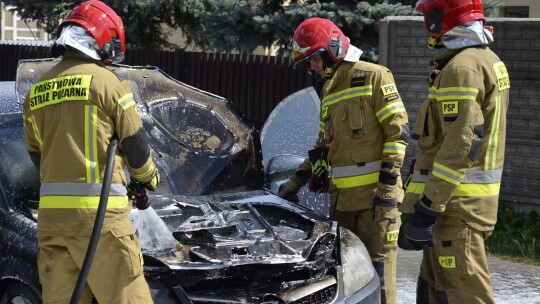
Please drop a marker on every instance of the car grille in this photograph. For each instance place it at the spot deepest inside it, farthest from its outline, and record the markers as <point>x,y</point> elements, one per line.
<point>322,296</point>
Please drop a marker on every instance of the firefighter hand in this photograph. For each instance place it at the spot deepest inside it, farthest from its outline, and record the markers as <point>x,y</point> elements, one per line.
<point>289,189</point>
<point>137,192</point>
<point>153,184</point>
<point>319,181</point>
<point>419,228</point>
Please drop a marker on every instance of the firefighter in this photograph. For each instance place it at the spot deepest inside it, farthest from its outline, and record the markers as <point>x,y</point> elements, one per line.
<point>453,191</point>
<point>70,116</point>
<point>363,137</point>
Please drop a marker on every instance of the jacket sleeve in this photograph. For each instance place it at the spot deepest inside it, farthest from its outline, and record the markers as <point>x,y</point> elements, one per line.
<point>392,117</point>
<point>31,132</point>
<point>459,97</point>
<point>134,141</point>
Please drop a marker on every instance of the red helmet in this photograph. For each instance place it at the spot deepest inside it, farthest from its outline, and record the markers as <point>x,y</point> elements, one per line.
<point>440,16</point>
<point>103,24</point>
<point>316,35</point>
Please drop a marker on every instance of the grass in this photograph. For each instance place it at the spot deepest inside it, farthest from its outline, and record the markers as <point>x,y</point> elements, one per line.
<point>516,235</point>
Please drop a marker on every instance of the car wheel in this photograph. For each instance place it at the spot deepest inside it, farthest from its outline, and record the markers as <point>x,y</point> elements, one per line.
<point>19,293</point>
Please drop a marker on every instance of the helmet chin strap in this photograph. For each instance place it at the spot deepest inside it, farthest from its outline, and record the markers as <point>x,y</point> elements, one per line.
<point>328,65</point>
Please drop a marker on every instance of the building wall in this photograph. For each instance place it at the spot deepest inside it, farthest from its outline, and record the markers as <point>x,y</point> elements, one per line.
<point>13,28</point>
<point>402,48</point>
<point>533,5</point>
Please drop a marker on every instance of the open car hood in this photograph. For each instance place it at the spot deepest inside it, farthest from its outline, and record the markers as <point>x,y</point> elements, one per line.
<point>192,133</point>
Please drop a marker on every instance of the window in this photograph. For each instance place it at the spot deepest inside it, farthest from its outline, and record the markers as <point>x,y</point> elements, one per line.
<point>516,11</point>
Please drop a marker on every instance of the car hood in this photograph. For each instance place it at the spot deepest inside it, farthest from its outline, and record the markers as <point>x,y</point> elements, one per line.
<point>192,133</point>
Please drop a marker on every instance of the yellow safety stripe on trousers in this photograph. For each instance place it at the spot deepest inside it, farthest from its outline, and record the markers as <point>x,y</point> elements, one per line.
<point>394,148</point>
<point>57,90</point>
<point>32,121</point>
<point>453,93</point>
<point>462,189</point>
<point>126,101</point>
<point>447,174</point>
<point>143,176</point>
<point>491,155</point>
<point>81,202</point>
<point>90,144</point>
<point>390,109</point>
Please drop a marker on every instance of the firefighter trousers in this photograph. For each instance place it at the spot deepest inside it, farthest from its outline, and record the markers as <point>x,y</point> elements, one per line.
<point>455,270</point>
<point>115,277</point>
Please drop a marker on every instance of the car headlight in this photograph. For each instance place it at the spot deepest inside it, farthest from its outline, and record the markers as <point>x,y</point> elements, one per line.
<point>357,267</point>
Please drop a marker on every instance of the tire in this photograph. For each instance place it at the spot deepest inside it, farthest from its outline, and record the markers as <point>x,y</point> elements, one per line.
<point>19,293</point>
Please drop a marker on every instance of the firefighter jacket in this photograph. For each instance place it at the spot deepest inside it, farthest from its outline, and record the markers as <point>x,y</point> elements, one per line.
<point>70,116</point>
<point>363,122</point>
<point>461,131</point>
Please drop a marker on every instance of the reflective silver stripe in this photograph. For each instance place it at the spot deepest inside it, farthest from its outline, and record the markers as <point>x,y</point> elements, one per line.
<point>471,176</point>
<point>48,189</point>
<point>347,171</point>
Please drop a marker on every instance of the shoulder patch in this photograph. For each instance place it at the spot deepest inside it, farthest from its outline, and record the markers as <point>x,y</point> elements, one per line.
<point>388,89</point>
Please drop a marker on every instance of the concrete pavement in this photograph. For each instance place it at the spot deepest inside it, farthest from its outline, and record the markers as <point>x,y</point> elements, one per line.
<point>513,283</point>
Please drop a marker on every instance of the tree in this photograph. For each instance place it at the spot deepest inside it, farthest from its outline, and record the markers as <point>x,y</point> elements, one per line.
<point>242,25</point>
<point>232,25</point>
<point>148,23</point>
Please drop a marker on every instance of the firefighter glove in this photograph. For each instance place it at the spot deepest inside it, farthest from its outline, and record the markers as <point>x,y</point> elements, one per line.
<point>137,193</point>
<point>153,184</point>
<point>419,228</point>
<point>289,189</point>
<point>319,181</point>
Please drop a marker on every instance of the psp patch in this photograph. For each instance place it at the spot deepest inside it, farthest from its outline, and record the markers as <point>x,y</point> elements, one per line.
<point>450,107</point>
<point>447,261</point>
<point>392,236</point>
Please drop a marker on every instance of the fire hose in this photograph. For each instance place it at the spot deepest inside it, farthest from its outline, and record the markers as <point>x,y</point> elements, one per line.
<point>98,223</point>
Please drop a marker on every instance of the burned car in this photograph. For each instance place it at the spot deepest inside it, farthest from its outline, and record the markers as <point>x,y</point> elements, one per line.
<point>220,233</point>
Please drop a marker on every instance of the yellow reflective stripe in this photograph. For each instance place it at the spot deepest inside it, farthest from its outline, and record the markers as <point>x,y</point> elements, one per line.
<point>90,144</point>
<point>478,189</point>
<point>126,101</point>
<point>57,90</point>
<point>453,93</point>
<point>394,148</point>
<point>491,155</point>
<point>390,109</point>
<point>355,181</point>
<point>321,126</point>
<point>144,175</point>
<point>447,174</point>
<point>33,123</point>
<point>415,187</point>
<point>462,190</point>
<point>346,94</point>
<point>81,202</point>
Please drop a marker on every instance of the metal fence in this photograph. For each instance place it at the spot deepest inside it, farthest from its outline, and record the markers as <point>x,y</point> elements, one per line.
<point>254,84</point>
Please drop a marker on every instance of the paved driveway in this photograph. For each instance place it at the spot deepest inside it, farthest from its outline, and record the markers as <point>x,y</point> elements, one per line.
<point>513,283</point>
